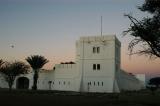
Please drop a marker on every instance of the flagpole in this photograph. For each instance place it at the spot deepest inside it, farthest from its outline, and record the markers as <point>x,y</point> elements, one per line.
<point>101,25</point>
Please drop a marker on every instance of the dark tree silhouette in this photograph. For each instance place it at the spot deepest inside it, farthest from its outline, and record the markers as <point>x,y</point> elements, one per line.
<point>146,32</point>
<point>154,84</point>
<point>155,81</point>
<point>1,63</point>
<point>36,62</point>
<point>11,70</point>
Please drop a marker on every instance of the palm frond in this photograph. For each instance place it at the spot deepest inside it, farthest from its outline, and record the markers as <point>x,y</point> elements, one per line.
<point>36,61</point>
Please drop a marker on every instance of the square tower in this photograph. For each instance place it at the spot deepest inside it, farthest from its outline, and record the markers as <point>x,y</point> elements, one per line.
<point>98,60</point>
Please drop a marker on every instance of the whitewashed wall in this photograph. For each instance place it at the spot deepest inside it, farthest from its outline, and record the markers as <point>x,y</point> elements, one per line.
<point>128,81</point>
<point>65,77</point>
<point>3,83</point>
<point>81,76</point>
<point>97,80</point>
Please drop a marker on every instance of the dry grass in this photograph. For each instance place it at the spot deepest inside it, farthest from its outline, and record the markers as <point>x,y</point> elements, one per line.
<point>59,98</point>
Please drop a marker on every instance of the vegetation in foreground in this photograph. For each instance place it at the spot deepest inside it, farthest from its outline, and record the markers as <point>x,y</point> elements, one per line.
<point>59,98</point>
<point>145,32</point>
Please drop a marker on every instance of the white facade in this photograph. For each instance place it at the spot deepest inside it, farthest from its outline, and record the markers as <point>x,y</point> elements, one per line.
<point>97,69</point>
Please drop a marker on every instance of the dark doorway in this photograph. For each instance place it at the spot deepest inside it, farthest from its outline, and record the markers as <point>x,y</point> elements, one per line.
<point>22,83</point>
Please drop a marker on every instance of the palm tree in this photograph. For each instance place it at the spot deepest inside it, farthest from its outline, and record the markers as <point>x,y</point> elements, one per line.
<point>11,70</point>
<point>36,62</point>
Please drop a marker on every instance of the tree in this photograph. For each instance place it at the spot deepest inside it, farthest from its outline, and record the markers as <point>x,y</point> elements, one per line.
<point>146,32</point>
<point>1,63</point>
<point>155,82</point>
<point>36,62</point>
<point>11,70</point>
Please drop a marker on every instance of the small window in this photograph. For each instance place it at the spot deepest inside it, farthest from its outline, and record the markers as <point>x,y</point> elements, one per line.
<point>98,49</point>
<point>94,83</point>
<point>102,83</point>
<point>50,82</point>
<point>98,83</point>
<point>53,82</point>
<point>64,82</point>
<point>59,82</point>
<point>94,66</point>
<point>89,83</point>
<point>94,49</point>
<point>98,67</point>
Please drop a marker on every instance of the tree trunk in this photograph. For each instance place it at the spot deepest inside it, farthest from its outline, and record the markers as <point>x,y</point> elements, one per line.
<point>35,79</point>
<point>10,85</point>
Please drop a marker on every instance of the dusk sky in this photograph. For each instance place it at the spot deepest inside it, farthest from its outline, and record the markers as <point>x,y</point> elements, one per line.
<point>51,27</point>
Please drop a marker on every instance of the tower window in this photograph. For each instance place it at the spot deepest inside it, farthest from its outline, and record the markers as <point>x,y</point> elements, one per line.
<point>98,67</point>
<point>96,49</point>
<point>94,66</point>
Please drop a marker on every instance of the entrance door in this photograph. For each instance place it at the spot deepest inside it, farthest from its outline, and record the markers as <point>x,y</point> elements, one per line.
<point>22,83</point>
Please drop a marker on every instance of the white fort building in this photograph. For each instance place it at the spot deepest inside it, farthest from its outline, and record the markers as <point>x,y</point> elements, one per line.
<point>96,69</point>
